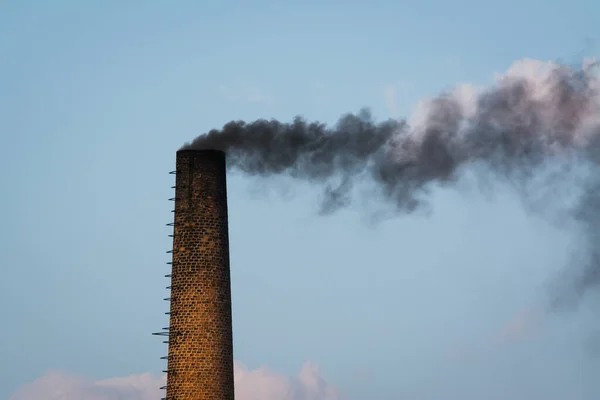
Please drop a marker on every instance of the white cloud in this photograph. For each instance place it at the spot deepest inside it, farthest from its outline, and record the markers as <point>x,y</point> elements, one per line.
<point>56,385</point>
<point>257,384</point>
<point>245,92</point>
<point>263,384</point>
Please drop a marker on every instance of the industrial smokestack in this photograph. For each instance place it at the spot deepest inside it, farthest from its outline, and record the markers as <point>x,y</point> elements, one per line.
<point>200,358</point>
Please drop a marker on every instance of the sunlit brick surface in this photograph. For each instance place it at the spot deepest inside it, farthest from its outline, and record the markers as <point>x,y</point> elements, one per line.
<point>200,365</point>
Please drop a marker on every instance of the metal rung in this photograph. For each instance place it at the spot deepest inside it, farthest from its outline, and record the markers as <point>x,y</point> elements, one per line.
<point>168,287</point>
<point>163,387</point>
<point>173,187</point>
<point>164,358</point>
<point>161,334</point>
<point>171,224</point>
<point>171,251</point>
<point>167,299</point>
<point>170,262</point>
<point>166,341</point>
<point>170,235</point>
<point>174,199</point>
<point>173,172</point>
<point>168,275</point>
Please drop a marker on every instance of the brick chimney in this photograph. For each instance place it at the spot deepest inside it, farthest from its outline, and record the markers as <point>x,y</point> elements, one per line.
<point>200,357</point>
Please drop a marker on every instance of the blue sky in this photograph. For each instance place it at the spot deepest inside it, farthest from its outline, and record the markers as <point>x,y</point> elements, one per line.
<point>96,97</point>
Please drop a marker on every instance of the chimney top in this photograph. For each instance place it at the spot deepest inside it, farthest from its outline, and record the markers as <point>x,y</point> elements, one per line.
<point>214,151</point>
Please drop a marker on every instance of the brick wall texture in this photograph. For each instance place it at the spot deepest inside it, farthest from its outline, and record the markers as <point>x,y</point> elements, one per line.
<point>200,358</point>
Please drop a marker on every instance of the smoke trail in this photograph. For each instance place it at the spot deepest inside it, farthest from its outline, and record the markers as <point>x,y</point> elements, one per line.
<point>536,114</point>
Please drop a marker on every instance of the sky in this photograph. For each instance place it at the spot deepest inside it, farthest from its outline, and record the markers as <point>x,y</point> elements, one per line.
<point>96,97</point>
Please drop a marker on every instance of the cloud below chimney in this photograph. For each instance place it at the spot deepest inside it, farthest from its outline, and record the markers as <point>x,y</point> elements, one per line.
<point>251,384</point>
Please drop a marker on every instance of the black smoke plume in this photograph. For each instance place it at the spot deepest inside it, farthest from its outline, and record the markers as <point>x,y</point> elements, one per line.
<point>536,114</point>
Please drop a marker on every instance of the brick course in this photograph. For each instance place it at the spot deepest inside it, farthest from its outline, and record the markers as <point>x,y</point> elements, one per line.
<point>200,358</point>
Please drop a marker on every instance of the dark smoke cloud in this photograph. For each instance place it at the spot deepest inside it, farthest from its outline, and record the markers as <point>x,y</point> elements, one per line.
<point>307,150</point>
<point>536,114</point>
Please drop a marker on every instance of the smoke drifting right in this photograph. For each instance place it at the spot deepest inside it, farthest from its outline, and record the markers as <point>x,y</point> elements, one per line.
<point>536,116</point>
